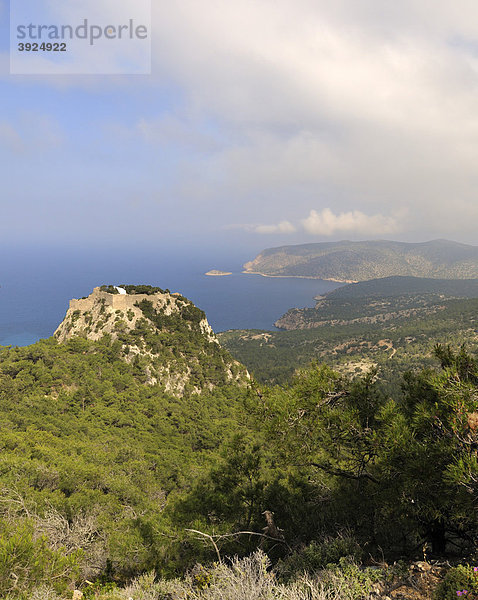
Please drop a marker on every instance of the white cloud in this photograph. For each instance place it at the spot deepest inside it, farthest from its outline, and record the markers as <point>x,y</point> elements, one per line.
<point>282,227</point>
<point>372,104</point>
<point>170,129</point>
<point>327,223</point>
<point>263,106</point>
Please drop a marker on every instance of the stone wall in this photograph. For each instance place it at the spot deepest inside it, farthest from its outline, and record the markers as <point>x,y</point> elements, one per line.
<point>116,301</point>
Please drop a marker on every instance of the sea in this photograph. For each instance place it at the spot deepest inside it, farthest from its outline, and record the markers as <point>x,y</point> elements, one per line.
<point>36,285</point>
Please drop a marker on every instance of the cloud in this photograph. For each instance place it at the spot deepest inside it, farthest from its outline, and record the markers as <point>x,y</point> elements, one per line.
<point>327,223</point>
<point>173,130</point>
<point>258,108</point>
<point>372,106</point>
<point>282,227</point>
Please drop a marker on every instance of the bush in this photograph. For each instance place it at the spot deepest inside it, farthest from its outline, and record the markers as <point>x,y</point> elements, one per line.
<point>318,554</point>
<point>98,590</point>
<point>357,581</point>
<point>248,578</point>
<point>27,562</point>
<point>458,579</point>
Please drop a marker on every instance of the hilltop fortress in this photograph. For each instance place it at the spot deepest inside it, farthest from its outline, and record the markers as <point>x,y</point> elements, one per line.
<point>118,301</point>
<point>113,313</point>
<point>164,334</point>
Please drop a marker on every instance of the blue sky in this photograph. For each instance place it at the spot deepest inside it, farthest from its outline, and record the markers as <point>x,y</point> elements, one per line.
<point>263,122</point>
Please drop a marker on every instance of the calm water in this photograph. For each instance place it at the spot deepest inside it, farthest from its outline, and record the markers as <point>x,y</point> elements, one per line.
<point>36,286</point>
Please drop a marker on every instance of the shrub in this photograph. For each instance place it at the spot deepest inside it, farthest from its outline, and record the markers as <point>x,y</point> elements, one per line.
<point>357,581</point>
<point>247,578</point>
<point>318,554</point>
<point>26,562</point>
<point>458,579</point>
<point>98,590</point>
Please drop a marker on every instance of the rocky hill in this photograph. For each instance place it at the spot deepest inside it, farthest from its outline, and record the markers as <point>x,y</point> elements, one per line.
<point>103,427</point>
<point>165,334</point>
<point>361,261</point>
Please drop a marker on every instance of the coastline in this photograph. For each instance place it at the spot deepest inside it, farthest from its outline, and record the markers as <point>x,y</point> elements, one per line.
<point>301,277</point>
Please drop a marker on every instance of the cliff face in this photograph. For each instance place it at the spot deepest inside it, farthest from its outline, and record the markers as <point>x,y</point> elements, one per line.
<point>165,334</point>
<point>105,313</point>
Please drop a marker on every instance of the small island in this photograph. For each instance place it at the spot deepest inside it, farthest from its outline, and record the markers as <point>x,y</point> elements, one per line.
<point>216,273</point>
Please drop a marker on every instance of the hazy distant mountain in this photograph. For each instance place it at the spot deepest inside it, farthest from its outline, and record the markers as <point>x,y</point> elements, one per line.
<point>401,286</point>
<point>361,261</point>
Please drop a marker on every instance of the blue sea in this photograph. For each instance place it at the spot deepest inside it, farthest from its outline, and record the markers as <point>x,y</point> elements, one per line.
<point>36,285</point>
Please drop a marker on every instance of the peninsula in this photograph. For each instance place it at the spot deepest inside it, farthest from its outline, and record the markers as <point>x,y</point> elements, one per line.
<point>347,261</point>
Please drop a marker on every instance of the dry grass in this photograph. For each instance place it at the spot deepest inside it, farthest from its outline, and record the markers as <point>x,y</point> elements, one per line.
<point>242,579</point>
<point>247,578</point>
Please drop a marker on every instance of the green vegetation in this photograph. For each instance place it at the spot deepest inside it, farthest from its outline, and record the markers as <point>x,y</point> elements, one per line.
<point>166,338</point>
<point>104,476</point>
<point>360,261</point>
<point>392,334</point>
<point>32,561</point>
<point>114,483</point>
<point>462,578</point>
<point>248,578</point>
<point>407,286</point>
<point>178,341</point>
<point>90,456</point>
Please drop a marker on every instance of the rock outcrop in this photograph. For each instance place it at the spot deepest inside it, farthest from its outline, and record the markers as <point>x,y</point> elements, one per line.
<point>105,313</point>
<point>165,334</point>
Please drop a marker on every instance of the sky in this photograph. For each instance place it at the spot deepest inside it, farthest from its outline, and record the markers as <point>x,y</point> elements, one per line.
<point>263,122</point>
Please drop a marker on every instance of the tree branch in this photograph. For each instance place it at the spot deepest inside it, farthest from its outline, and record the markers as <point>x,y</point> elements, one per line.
<point>342,473</point>
<point>212,538</point>
<point>209,537</point>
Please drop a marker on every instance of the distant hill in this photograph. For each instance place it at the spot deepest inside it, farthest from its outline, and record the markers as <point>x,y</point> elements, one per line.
<point>390,323</point>
<point>379,300</point>
<point>353,337</point>
<point>397,286</point>
<point>361,261</point>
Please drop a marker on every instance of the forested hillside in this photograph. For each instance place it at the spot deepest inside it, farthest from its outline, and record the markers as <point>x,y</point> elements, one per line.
<point>105,476</point>
<point>408,286</point>
<point>391,323</point>
<point>88,448</point>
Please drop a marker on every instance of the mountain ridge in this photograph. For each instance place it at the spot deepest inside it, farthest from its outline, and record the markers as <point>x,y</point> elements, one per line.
<point>349,262</point>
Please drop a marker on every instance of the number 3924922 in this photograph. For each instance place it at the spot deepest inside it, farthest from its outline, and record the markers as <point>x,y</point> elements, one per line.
<point>44,47</point>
